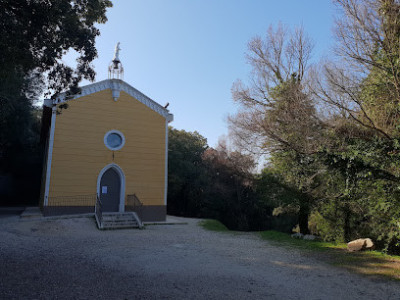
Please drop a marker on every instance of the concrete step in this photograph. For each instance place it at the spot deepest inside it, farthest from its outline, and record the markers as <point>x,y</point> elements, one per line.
<point>116,214</point>
<point>31,212</point>
<point>117,226</point>
<point>120,220</point>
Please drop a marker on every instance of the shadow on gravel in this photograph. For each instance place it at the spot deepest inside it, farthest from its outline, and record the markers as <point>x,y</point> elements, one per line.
<point>369,263</point>
<point>11,211</point>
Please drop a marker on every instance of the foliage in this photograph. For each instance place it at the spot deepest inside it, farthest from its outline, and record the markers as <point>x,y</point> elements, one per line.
<point>35,36</point>
<point>213,183</point>
<point>342,167</point>
<point>279,112</point>
<point>231,198</point>
<point>186,172</point>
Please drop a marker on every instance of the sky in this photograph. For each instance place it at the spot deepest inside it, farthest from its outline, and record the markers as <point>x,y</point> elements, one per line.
<point>190,52</point>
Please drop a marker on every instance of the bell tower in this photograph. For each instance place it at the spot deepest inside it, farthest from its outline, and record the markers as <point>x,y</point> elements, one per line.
<point>115,69</point>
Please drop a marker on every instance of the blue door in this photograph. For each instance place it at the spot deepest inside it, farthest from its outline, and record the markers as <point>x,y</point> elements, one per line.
<point>110,190</point>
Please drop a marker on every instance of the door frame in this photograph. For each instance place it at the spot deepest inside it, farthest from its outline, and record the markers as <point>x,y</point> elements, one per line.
<point>121,174</point>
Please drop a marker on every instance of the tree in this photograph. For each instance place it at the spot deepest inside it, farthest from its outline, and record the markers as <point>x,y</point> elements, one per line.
<point>212,183</point>
<point>364,83</point>
<point>186,173</point>
<point>278,113</point>
<point>332,133</point>
<point>230,196</point>
<point>277,102</point>
<point>34,37</point>
<point>362,87</point>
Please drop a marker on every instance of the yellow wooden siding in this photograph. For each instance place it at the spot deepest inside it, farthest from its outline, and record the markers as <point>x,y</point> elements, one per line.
<point>79,153</point>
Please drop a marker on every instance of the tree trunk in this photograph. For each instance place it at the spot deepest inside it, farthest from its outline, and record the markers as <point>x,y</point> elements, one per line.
<point>347,229</point>
<point>304,213</point>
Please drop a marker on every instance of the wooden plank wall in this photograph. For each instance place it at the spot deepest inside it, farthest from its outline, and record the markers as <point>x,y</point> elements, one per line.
<point>79,153</point>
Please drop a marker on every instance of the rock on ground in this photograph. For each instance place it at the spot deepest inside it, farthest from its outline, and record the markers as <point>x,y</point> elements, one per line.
<point>360,244</point>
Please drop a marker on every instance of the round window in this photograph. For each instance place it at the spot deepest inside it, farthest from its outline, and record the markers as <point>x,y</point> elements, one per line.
<point>114,140</point>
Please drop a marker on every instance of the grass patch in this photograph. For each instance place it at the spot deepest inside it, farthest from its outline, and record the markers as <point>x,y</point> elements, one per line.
<point>372,263</point>
<point>284,239</point>
<point>213,225</point>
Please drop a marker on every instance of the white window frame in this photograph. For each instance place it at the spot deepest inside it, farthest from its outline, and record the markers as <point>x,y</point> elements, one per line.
<point>117,132</point>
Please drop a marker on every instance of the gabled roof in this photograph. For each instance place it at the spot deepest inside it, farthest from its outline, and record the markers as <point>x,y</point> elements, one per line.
<point>117,85</point>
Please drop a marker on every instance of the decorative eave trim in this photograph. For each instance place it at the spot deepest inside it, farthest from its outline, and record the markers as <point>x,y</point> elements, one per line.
<point>117,85</point>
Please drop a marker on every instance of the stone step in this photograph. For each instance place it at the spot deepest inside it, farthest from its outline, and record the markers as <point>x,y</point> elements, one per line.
<point>111,226</point>
<point>120,220</point>
<point>119,227</point>
<point>105,214</point>
<point>118,217</point>
<point>114,226</point>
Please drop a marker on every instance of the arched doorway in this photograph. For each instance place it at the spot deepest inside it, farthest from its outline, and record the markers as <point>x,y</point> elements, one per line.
<point>111,188</point>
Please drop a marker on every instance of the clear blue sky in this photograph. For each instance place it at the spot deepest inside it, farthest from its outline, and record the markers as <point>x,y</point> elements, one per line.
<point>189,52</point>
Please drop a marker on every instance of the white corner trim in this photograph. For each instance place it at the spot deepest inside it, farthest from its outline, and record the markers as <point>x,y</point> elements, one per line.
<point>117,132</point>
<point>50,155</point>
<point>122,190</point>
<point>166,163</point>
<point>117,85</point>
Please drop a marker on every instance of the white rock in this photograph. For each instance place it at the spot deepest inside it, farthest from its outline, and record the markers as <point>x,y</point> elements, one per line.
<point>369,245</point>
<point>297,235</point>
<point>360,244</point>
<point>309,237</point>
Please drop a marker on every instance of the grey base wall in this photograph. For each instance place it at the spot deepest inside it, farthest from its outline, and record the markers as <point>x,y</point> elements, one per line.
<point>152,213</point>
<point>147,213</point>
<point>66,210</point>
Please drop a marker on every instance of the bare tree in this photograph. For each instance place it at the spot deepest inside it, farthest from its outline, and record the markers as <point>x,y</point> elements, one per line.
<point>277,111</point>
<point>364,84</point>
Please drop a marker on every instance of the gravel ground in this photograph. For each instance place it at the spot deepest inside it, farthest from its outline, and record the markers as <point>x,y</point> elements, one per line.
<point>71,259</point>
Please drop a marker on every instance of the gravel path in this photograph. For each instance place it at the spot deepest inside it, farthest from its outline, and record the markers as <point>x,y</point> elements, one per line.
<point>71,259</point>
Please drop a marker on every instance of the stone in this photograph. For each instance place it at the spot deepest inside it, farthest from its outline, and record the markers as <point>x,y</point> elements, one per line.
<point>360,244</point>
<point>297,235</point>
<point>369,245</point>
<point>356,245</point>
<point>309,237</point>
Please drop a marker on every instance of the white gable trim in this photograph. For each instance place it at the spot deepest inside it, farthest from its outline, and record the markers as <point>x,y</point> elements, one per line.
<point>117,85</point>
